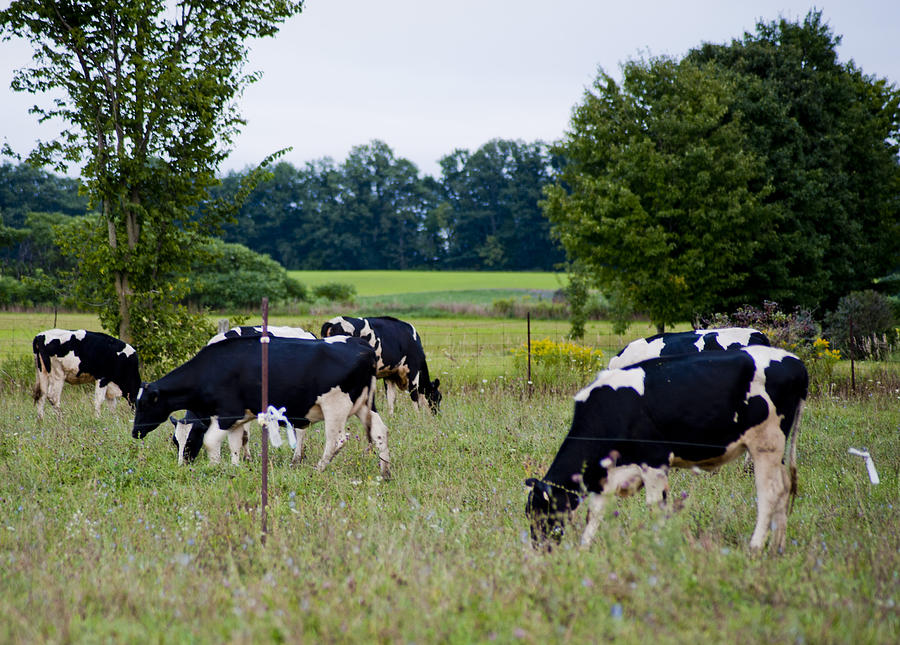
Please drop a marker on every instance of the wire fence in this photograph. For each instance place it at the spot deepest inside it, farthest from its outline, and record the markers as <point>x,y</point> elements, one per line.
<point>470,353</point>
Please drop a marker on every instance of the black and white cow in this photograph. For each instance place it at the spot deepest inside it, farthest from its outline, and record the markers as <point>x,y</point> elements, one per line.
<point>191,429</point>
<point>401,358</point>
<point>80,356</point>
<point>314,380</point>
<point>687,411</point>
<point>687,342</point>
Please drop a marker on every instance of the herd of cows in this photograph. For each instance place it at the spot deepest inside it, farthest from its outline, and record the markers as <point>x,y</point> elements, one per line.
<point>680,400</point>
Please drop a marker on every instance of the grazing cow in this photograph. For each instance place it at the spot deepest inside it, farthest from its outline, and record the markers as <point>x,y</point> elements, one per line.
<point>314,380</point>
<point>190,429</point>
<point>401,358</point>
<point>688,411</point>
<point>79,356</point>
<point>686,342</point>
<point>249,330</point>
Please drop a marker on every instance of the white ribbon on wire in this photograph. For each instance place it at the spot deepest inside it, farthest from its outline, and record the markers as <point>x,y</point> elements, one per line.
<point>270,419</point>
<point>870,464</point>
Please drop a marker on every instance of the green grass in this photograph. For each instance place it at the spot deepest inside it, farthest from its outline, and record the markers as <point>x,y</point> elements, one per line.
<point>380,283</point>
<point>105,539</point>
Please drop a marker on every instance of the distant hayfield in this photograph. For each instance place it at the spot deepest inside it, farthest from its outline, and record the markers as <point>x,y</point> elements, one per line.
<point>380,283</point>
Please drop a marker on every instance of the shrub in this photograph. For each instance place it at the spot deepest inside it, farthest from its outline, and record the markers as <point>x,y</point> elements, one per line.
<point>555,360</point>
<point>231,276</point>
<point>790,331</point>
<point>335,292</point>
<point>872,320</point>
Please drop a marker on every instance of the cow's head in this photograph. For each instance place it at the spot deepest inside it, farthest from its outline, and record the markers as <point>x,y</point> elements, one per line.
<point>189,432</point>
<point>546,510</point>
<point>149,410</point>
<point>434,396</point>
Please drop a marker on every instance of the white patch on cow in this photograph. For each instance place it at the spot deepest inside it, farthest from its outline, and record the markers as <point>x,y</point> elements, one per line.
<point>732,335</point>
<point>415,334</point>
<point>343,323</point>
<point>128,350</point>
<point>633,378</point>
<point>140,391</point>
<point>635,352</point>
<point>62,335</point>
<point>336,339</point>
<point>288,332</point>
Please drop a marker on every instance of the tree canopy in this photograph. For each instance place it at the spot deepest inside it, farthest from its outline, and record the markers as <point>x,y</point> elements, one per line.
<point>148,92</point>
<point>759,169</point>
<point>374,211</point>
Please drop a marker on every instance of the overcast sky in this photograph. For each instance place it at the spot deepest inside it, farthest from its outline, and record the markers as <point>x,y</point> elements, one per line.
<point>430,77</point>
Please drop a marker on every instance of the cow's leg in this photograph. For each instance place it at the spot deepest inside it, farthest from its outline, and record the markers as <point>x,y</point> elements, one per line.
<point>181,434</point>
<point>596,502</point>
<point>656,485</point>
<point>245,441</point>
<point>622,482</point>
<point>54,389</point>
<point>300,433</point>
<point>378,437</point>
<point>238,439</point>
<point>212,440</point>
<point>40,392</point>
<point>390,394</point>
<point>772,486</point>
<point>99,396</point>
<point>336,407</point>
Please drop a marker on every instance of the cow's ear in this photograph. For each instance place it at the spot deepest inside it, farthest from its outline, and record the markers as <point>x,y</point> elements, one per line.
<point>437,383</point>
<point>531,482</point>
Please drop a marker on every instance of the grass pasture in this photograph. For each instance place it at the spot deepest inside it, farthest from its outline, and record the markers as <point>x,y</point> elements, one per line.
<point>105,539</point>
<point>389,283</point>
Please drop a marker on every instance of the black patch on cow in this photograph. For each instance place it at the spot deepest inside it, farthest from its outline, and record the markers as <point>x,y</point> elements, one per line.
<point>100,357</point>
<point>396,340</point>
<point>693,406</point>
<point>224,379</point>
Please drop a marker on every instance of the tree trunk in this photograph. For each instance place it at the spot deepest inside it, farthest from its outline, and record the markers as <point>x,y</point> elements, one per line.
<point>660,328</point>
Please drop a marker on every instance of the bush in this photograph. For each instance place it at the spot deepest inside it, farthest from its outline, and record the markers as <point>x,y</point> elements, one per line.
<point>872,319</point>
<point>792,332</point>
<point>335,292</point>
<point>556,360</point>
<point>231,276</point>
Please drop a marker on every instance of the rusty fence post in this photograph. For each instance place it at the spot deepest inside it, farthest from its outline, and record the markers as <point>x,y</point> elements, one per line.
<point>264,435</point>
<point>528,327</point>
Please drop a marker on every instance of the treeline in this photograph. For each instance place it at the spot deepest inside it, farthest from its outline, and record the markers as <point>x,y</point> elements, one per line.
<point>374,211</point>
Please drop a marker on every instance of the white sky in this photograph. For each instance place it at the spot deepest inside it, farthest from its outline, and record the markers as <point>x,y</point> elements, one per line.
<point>430,77</point>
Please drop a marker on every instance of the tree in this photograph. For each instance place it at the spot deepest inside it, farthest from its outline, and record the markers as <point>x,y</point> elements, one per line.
<point>828,135</point>
<point>148,92</point>
<point>658,202</point>
<point>763,169</point>
<point>495,219</point>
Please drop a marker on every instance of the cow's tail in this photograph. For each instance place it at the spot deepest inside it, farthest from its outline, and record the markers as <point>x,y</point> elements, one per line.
<point>792,453</point>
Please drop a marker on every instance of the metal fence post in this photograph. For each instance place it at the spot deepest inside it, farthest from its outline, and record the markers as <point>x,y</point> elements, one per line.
<point>528,326</point>
<point>264,435</point>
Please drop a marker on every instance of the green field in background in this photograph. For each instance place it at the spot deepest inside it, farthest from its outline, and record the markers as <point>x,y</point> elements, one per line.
<point>378,283</point>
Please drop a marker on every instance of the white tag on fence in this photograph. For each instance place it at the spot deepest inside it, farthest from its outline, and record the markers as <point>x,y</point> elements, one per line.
<point>269,419</point>
<point>870,463</point>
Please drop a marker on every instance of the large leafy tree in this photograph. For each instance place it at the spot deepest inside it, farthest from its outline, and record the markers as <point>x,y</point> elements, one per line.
<point>147,90</point>
<point>760,169</point>
<point>659,203</point>
<point>828,135</point>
